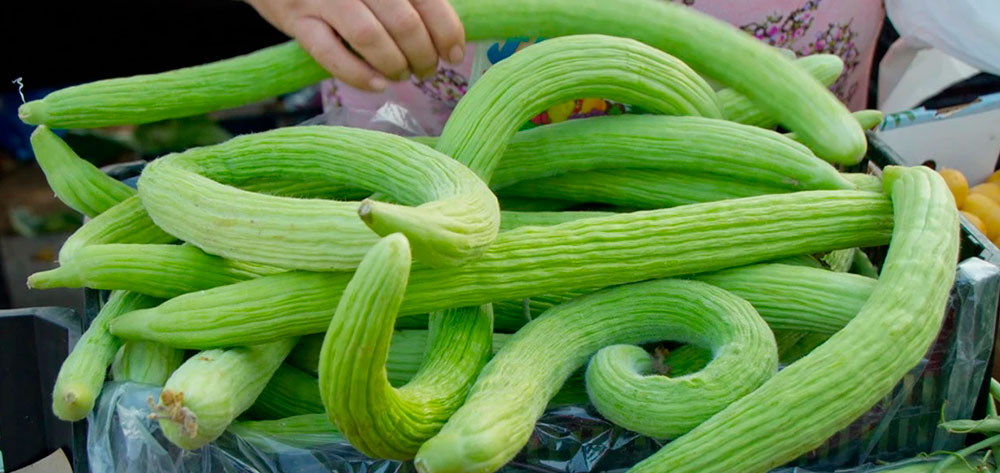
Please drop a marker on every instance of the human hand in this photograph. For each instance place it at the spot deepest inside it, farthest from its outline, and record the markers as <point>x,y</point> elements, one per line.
<point>392,39</point>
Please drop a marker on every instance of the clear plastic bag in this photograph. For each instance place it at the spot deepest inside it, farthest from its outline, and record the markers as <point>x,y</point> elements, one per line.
<point>576,440</point>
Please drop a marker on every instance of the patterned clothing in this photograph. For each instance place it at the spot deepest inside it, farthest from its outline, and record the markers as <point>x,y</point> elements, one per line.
<point>847,28</point>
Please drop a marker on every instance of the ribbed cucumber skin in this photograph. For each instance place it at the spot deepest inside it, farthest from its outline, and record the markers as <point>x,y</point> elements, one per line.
<point>508,398</point>
<point>640,188</point>
<point>145,362</point>
<point>167,270</point>
<point>379,420</point>
<point>209,390</point>
<point>689,144</point>
<point>586,253</point>
<point>455,216</point>
<point>521,86</point>
<point>82,374</point>
<point>182,92</point>
<point>841,379</point>
<point>75,181</point>
<point>738,108</point>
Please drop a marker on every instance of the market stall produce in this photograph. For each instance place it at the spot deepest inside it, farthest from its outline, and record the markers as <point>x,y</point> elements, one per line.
<point>291,263</point>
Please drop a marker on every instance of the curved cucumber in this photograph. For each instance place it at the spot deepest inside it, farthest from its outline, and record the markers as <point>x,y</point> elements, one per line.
<point>738,108</point>
<point>525,84</point>
<point>82,374</point>
<point>513,389</point>
<point>904,312</point>
<point>76,182</point>
<point>456,216</point>
<point>379,420</point>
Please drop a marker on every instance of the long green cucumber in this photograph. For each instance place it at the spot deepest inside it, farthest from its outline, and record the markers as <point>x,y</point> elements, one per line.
<point>379,420</point>
<point>841,379</point>
<point>212,388</point>
<point>523,85</point>
<point>126,222</point>
<point>797,297</point>
<point>738,108</point>
<point>508,398</point>
<point>687,143</point>
<point>75,181</point>
<point>586,253</point>
<point>788,297</point>
<point>166,271</point>
<point>82,374</point>
<point>145,362</point>
<point>713,48</point>
<point>456,216</point>
<point>289,392</point>
<point>639,188</point>
<point>182,92</point>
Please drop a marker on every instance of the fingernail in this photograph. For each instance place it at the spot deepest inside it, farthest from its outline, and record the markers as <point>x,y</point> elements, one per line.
<point>456,54</point>
<point>378,84</point>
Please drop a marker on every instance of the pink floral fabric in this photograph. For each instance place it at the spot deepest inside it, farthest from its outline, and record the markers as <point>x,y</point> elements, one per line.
<point>847,28</point>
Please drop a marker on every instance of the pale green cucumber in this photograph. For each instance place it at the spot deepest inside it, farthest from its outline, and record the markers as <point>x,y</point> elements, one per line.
<point>166,270</point>
<point>182,92</point>
<point>864,182</point>
<point>144,362</point>
<point>788,297</point>
<point>508,398</point>
<point>738,108</point>
<point>523,85</point>
<point>858,365</point>
<point>797,297</point>
<point>126,222</point>
<point>82,374</point>
<point>212,388</point>
<point>379,420</point>
<point>691,144</point>
<point>289,392</point>
<point>456,216</point>
<point>587,253</point>
<point>639,188</point>
<point>75,181</point>
<point>867,119</point>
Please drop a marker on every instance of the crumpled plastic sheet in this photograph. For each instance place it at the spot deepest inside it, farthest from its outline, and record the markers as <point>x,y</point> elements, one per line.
<point>576,440</point>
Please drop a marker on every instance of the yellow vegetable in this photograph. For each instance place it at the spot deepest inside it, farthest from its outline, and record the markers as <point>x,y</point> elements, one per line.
<point>957,183</point>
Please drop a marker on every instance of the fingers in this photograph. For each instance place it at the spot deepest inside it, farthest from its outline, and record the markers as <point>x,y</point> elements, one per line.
<point>407,29</point>
<point>322,44</point>
<point>444,27</point>
<point>361,29</point>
